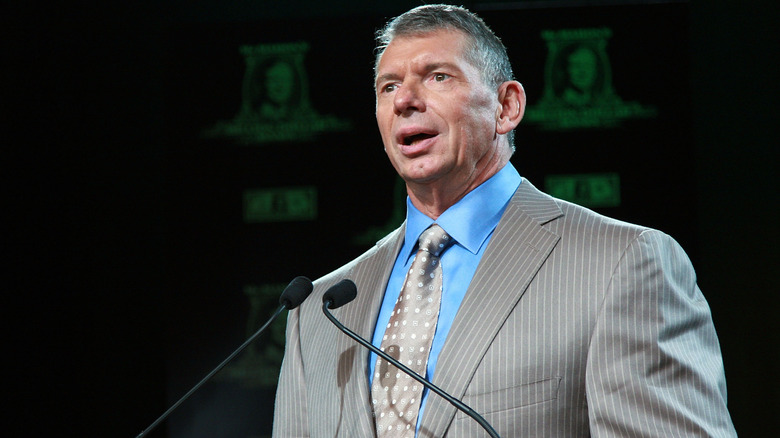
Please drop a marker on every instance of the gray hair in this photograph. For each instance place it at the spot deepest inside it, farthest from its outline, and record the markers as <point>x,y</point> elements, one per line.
<point>487,53</point>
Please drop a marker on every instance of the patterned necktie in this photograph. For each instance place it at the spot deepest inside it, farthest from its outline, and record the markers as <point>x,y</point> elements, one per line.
<point>408,338</point>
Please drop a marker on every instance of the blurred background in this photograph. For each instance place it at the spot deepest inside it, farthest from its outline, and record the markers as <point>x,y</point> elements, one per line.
<point>157,153</point>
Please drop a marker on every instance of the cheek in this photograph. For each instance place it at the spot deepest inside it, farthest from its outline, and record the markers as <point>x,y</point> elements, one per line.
<point>473,127</point>
<point>385,126</point>
<point>476,133</point>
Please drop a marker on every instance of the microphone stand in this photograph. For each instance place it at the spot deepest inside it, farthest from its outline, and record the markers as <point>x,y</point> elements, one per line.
<point>219,367</point>
<point>453,401</point>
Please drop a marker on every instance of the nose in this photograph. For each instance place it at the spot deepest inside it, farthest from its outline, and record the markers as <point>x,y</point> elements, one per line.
<point>408,98</point>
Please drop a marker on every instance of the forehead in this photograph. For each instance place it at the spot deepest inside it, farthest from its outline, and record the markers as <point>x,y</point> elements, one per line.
<point>434,46</point>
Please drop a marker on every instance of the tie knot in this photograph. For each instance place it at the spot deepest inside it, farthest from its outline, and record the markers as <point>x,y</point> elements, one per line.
<point>435,240</point>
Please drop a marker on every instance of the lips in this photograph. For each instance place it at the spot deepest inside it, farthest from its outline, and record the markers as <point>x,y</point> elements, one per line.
<point>409,140</point>
<point>413,140</point>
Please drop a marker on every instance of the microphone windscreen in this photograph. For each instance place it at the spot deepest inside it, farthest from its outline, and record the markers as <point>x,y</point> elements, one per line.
<point>296,292</point>
<point>341,293</point>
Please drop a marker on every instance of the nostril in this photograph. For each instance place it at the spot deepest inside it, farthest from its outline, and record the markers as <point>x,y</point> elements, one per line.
<point>408,100</point>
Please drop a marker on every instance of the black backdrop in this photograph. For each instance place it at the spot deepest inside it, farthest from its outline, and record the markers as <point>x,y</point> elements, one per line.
<point>133,269</point>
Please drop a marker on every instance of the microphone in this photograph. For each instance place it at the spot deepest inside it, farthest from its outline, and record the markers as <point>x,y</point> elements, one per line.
<point>292,296</point>
<point>345,291</point>
<point>296,292</point>
<point>341,293</point>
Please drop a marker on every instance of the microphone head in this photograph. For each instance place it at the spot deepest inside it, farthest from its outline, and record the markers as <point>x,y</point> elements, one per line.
<point>296,292</point>
<point>340,293</point>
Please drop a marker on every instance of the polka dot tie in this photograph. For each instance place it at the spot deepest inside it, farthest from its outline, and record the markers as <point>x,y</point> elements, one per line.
<point>408,337</point>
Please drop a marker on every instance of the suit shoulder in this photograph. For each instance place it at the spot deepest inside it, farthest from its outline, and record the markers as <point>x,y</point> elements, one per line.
<point>582,226</point>
<point>558,214</point>
<point>579,219</point>
<point>572,223</point>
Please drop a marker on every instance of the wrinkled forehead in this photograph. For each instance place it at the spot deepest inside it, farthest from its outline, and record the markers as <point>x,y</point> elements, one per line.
<point>448,38</point>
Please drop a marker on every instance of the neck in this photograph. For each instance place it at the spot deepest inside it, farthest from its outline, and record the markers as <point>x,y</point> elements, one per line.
<point>434,197</point>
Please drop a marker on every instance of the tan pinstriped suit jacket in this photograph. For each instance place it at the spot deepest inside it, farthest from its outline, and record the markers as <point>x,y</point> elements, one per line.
<point>574,325</point>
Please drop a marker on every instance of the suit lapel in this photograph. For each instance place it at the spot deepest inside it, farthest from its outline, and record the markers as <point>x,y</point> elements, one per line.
<point>518,248</point>
<point>370,275</point>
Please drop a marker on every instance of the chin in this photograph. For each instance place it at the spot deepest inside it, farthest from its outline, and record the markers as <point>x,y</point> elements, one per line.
<point>421,176</point>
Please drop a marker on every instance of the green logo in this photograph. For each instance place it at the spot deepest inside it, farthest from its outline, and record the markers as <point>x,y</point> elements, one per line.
<point>590,190</point>
<point>578,90</point>
<point>275,104</point>
<point>280,204</point>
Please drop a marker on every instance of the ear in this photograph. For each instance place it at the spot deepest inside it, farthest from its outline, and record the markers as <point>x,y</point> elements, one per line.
<point>511,98</point>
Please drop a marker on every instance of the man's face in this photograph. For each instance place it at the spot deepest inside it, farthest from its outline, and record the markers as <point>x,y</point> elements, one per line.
<point>582,69</point>
<point>436,116</point>
<point>279,82</point>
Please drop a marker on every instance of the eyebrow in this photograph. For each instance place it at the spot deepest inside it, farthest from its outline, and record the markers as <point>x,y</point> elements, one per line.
<point>437,65</point>
<point>385,77</point>
<point>428,67</point>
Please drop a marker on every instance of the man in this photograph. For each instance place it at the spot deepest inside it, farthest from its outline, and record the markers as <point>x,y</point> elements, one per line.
<point>552,320</point>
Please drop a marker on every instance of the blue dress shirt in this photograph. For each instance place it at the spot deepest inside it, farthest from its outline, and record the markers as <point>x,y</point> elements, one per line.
<point>471,222</point>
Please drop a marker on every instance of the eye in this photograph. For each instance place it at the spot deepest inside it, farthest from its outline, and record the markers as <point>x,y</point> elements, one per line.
<point>440,77</point>
<point>388,88</point>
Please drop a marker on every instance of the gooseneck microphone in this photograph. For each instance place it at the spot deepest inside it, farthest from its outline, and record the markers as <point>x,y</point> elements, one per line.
<point>294,294</point>
<point>345,291</point>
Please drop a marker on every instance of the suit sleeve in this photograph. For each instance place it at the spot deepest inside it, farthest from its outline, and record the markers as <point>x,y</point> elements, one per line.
<point>654,364</point>
<point>290,410</point>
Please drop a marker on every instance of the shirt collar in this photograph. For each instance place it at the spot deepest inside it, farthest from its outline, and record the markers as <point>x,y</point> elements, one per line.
<point>471,220</point>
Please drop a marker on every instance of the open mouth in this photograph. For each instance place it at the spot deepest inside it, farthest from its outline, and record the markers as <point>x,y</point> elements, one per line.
<point>412,139</point>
